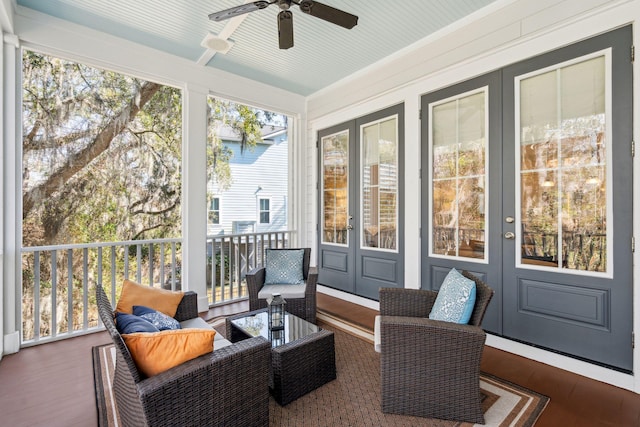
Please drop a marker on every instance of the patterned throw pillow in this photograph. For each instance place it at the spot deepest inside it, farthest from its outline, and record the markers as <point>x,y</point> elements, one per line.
<point>456,299</point>
<point>284,267</point>
<point>159,320</point>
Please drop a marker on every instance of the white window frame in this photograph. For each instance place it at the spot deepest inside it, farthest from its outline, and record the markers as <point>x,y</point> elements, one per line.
<point>487,231</point>
<point>214,210</point>
<point>395,117</point>
<point>322,190</point>
<point>260,210</point>
<point>607,53</point>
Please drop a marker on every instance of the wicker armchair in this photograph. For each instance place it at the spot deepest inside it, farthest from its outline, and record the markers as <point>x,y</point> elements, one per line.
<point>226,387</point>
<point>430,368</point>
<point>301,307</point>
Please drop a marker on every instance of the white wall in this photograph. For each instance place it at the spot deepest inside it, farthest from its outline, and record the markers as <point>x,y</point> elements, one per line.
<point>505,32</point>
<point>259,172</point>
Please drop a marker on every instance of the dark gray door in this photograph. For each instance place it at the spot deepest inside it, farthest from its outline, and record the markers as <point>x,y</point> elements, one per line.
<point>336,235</point>
<point>529,185</point>
<point>361,195</point>
<point>461,177</point>
<point>567,275</point>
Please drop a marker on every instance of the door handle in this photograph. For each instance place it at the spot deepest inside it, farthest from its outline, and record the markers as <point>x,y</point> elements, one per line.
<point>509,235</point>
<point>349,227</point>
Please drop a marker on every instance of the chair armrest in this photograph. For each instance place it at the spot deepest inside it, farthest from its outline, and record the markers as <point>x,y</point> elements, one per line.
<point>224,387</point>
<point>255,279</point>
<point>255,282</point>
<point>312,281</point>
<point>406,302</point>
<point>188,307</point>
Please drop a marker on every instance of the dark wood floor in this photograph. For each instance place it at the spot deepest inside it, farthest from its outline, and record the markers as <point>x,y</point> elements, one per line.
<point>52,384</point>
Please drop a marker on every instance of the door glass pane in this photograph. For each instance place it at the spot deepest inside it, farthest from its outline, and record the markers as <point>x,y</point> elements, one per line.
<point>335,188</point>
<point>458,176</point>
<point>563,173</point>
<point>380,184</point>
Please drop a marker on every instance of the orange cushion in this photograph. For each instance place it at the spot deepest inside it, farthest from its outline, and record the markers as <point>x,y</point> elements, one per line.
<point>156,352</point>
<point>159,299</point>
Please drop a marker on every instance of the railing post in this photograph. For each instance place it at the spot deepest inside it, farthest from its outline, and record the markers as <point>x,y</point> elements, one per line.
<point>54,294</point>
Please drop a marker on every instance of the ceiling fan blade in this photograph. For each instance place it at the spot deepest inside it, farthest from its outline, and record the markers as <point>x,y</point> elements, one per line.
<point>285,29</point>
<point>328,13</point>
<point>239,10</point>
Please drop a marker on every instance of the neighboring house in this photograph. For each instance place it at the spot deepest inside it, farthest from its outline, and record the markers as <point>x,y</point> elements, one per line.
<point>256,201</point>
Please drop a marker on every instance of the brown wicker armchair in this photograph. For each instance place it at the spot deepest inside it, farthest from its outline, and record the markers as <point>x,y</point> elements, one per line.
<point>301,307</point>
<point>430,368</point>
<point>226,387</point>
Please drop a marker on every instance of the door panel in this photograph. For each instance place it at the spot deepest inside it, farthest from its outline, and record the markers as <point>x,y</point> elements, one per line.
<point>461,154</point>
<point>568,269</point>
<point>380,156</point>
<point>361,232</point>
<point>336,261</point>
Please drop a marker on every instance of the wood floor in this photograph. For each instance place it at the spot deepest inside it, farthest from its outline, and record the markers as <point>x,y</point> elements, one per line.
<point>52,384</point>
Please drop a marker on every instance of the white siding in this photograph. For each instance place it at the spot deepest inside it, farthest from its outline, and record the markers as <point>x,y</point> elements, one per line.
<point>260,172</point>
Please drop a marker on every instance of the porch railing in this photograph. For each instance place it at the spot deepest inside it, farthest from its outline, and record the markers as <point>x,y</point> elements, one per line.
<point>58,282</point>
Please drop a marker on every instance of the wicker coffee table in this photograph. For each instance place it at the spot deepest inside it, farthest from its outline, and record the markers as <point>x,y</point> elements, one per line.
<point>302,356</point>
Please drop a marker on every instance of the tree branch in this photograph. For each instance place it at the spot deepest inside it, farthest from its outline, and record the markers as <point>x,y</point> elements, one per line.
<point>144,230</point>
<point>160,212</point>
<point>101,142</point>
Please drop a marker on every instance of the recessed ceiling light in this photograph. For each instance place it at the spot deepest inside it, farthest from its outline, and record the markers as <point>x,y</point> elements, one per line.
<point>215,43</point>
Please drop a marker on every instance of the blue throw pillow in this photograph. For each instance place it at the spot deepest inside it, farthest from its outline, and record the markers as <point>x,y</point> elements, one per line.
<point>284,267</point>
<point>129,324</point>
<point>456,299</point>
<point>159,320</point>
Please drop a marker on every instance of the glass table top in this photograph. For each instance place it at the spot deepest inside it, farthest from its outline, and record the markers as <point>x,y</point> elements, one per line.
<point>258,325</point>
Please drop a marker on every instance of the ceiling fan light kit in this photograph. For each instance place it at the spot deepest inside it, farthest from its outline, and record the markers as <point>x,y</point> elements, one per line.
<point>285,17</point>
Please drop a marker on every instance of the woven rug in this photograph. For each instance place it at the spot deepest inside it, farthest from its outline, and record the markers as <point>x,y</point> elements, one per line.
<point>353,399</point>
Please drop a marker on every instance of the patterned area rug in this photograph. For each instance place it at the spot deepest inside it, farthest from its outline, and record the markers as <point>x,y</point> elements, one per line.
<point>353,399</point>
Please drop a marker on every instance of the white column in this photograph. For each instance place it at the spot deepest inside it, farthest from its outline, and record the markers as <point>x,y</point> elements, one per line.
<point>11,211</point>
<point>194,192</point>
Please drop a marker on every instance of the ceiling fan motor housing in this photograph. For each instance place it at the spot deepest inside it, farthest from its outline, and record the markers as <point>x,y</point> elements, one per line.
<point>285,17</point>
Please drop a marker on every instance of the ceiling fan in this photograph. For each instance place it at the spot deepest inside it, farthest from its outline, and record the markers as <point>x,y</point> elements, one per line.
<point>285,17</point>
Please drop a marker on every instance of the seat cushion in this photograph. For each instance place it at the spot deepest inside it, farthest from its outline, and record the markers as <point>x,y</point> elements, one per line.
<point>287,291</point>
<point>284,266</point>
<point>159,299</point>
<point>157,352</point>
<point>195,323</point>
<point>219,341</point>
<point>456,299</point>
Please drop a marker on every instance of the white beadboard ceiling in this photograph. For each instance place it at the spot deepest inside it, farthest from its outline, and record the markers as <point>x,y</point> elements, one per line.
<point>322,55</point>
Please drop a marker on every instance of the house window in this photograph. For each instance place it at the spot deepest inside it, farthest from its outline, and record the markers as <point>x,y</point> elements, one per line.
<point>564,165</point>
<point>379,177</point>
<point>264,213</point>
<point>214,211</point>
<point>458,175</point>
